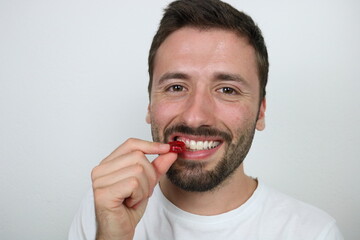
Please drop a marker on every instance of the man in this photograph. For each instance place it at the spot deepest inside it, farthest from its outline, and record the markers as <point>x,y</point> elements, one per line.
<point>208,69</point>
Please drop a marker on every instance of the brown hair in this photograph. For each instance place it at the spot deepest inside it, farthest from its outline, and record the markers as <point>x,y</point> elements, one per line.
<point>206,14</point>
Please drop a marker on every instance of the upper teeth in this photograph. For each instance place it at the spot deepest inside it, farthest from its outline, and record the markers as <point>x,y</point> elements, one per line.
<point>199,145</point>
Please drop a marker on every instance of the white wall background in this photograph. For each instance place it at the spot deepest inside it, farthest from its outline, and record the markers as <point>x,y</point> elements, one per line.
<point>73,78</point>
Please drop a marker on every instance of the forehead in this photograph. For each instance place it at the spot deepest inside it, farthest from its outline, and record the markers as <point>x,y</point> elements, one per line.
<point>203,51</point>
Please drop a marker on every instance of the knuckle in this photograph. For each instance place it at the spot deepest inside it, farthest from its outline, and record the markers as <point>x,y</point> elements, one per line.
<point>139,169</point>
<point>94,173</point>
<point>130,141</point>
<point>134,183</point>
<point>95,184</point>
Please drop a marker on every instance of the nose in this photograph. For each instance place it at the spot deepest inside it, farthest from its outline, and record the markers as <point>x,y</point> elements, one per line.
<point>199,109</point>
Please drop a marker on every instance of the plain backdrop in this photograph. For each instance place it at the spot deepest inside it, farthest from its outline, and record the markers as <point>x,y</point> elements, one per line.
<point>73,86</point>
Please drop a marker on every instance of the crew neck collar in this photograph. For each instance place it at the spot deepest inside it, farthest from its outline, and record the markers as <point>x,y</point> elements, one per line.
<point>182,215</point>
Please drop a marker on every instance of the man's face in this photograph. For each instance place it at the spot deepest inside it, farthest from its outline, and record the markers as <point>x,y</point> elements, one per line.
<point>205,92</point>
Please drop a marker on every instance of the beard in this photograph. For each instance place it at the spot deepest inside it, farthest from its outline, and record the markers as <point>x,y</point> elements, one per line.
<point>192,175</point>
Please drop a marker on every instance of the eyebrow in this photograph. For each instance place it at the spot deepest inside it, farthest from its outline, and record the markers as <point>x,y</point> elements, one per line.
<point>173,75</point>
<point>230,77</point>
<point>219,76</point>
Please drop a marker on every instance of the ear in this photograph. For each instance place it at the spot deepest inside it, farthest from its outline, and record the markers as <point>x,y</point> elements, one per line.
<point>260,123</point>
<point>148,117</point>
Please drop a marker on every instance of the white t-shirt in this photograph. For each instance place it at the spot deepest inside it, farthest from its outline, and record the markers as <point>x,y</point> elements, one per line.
<point>267,215</point>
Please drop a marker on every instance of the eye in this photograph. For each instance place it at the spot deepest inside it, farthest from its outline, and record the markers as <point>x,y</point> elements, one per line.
<point>228,90</point>
<point>175,88</point>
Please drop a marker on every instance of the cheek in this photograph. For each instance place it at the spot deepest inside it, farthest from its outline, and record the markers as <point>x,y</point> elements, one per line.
<point>162,113</point>
<point>235,116</point>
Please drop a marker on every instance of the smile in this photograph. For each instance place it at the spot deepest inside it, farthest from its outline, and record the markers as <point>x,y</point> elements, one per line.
<point>194,145</point>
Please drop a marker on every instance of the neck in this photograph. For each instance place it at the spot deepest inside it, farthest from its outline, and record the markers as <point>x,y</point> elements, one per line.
<point>231,194</point>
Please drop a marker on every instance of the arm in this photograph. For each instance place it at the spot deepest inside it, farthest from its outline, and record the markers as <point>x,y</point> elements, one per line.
<point>122,184</point>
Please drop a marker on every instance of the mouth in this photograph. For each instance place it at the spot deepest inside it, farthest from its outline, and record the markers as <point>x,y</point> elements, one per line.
<point>193,145</point>
<point>198,143</point>
<point>203,143</point>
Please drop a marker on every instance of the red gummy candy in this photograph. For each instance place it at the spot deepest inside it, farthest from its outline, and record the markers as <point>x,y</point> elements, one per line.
<point>177,147</point>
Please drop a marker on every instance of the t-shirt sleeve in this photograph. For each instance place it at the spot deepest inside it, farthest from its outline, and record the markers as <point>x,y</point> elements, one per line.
<point>331,232</point>
<point>83,226</point>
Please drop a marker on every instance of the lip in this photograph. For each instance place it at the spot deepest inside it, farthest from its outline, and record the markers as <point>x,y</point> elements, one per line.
<point>197,154</point>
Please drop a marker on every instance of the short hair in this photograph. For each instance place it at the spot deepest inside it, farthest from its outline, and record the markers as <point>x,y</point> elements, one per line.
<point>209,14</point>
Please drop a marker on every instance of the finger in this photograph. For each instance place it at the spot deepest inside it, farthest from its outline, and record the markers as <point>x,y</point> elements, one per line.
<point>162,163</point>
<point>133,144</point>
<point>136,171</point>
<point>123,161</point>
<point>114,195</point>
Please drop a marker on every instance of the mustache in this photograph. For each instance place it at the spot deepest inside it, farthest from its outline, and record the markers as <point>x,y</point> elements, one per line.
<point>199,131</point>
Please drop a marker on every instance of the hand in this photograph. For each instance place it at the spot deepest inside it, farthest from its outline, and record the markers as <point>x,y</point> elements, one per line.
<point>122,184</point>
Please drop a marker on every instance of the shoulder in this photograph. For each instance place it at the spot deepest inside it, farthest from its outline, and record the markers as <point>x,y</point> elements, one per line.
<point>275,201</point>
<point>298,217</point>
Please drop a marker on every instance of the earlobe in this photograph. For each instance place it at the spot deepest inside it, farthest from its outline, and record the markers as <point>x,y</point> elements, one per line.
<point>260,123</point>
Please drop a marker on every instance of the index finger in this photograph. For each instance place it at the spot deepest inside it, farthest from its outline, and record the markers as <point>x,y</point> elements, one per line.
<point>134,144</point>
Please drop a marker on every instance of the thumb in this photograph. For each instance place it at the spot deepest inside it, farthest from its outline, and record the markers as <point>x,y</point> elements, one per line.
<point>163,162</point>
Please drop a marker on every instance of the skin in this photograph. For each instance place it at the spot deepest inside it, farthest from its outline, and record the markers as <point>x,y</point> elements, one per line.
<point>199,96</point>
